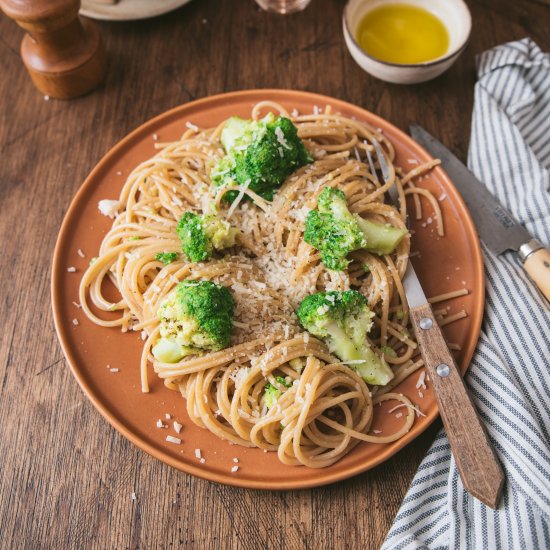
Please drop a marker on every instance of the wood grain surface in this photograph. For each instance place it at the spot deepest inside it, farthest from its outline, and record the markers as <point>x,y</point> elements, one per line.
<point>67,477</point>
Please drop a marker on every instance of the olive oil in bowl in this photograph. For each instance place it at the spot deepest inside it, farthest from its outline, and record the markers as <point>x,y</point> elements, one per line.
<point>403,34</point>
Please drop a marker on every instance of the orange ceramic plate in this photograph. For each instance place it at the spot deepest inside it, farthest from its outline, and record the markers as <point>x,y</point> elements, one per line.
<point>443,265</point>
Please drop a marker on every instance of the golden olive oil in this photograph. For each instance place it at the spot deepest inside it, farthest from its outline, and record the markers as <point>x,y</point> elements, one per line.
<point>402,33</point>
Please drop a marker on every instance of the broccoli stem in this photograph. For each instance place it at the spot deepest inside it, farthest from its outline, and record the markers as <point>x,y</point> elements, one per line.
<point>341,344</point>
<point>374,370</point>
<point>168,351</point>
<point>381,239</point>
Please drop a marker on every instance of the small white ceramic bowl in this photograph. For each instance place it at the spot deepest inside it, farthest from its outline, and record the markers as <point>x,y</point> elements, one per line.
<point>454,14</point>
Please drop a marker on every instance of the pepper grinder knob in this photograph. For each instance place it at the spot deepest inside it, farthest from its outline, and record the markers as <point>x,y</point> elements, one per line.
<point>62,53</point>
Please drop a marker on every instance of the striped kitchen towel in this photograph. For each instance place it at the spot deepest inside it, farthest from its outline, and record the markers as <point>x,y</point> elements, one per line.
<point>509,376</point>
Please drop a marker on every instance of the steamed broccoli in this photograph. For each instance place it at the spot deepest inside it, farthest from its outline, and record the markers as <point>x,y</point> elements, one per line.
<point>196,316</point>
<point>335,231</point>
<point>272,392</point>
<point>166,257</point>
<point>342,320</point>
<point>200,235</point>
<point>260,154</point>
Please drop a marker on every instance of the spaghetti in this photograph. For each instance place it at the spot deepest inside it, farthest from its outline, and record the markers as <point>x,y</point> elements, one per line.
<point>327,408</point>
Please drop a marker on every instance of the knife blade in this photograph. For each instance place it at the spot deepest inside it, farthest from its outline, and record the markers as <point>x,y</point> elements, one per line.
<point>477,463</point>
<point>495,225</point>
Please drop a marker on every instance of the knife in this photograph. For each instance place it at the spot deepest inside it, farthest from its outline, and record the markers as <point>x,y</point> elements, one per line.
<point>496,227</point>
<point>475,458</point>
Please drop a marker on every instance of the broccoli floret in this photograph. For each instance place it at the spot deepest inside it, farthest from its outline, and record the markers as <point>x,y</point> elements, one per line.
<point>166,257</point>
<point>201,235</point>
<point>335,238</point>
<point>342,320</point>
<point>260,154</point>
<point>272,392</point>
<point>237,132</point>
<point>335,231</point>
<point>196,316</point>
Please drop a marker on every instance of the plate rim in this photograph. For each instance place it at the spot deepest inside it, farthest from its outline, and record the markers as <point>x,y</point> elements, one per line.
<point>110,12</point>
<point>272,94</point>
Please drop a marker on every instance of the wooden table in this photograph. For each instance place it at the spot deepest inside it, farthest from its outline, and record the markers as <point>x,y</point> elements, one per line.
<point>67,476</point>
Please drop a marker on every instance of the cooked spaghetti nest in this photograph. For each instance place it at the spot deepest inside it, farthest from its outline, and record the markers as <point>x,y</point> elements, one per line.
<point>326,408</point>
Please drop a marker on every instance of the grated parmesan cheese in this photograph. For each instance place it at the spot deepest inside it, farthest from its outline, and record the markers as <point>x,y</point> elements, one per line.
<point>239,375</point>
<point>71,269</point>
<point>238,198</point>
<point>108,207</point>
<point>421,381</point>
<point>172,439</point>
<point>177,427</point>
<point>279,134</point>
<point>234,469</point>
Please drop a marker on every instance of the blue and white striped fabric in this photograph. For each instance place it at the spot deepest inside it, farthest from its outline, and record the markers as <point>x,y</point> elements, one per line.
<point>509,377</point>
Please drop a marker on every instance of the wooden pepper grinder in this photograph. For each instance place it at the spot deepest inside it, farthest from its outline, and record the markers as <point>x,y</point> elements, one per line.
<point>62,53</point>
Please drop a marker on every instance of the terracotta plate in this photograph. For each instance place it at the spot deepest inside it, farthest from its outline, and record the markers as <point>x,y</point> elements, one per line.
<point>443,265</point>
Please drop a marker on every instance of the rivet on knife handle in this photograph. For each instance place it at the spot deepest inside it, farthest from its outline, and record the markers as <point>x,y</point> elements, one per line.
<point>475,458</point>
<point>536,262</point>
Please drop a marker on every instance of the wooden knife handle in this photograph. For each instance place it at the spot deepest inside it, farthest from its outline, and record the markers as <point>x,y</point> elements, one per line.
<point>475,458</point>
<point>537,266</point>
